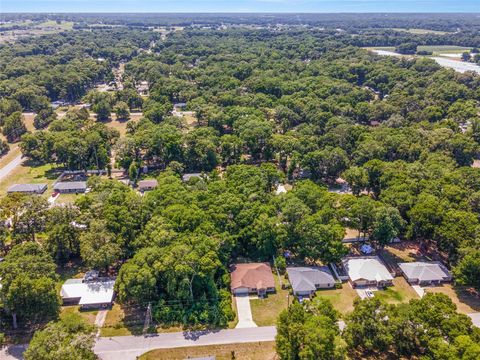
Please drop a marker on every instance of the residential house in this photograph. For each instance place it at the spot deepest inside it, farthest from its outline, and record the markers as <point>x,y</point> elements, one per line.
<point>306,280</point>
<point>367,271</point>
<point>147,185</point>
<point>68,187</point>
<point>27,188</point>
<point>425,273</point>
<point>252,278</point>
<point>90,292</point>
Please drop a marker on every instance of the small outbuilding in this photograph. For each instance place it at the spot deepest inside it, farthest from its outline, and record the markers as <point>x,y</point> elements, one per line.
<point>252,278</point>
<point>367,271</point>
<point>425,273</point>
<point>187,177</point>
<point>147,185</point>
<point>306,280</point>
<point>27,188</point>
<point>69,187</point>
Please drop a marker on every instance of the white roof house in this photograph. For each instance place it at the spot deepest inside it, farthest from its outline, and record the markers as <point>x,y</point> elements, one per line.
<point>431,272</point>
<point>367,270</point>
<point>88,293</point>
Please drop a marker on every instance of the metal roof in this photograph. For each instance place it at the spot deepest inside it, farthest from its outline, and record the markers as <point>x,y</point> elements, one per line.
<point>91,292</point>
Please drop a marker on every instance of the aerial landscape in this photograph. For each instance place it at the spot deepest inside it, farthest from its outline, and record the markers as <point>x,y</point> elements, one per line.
<point>279,180</point>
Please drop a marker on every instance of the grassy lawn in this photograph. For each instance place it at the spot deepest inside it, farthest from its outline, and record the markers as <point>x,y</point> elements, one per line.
<point>67,198</point>
<point>401,292</point>
<point>234,322</point>
<point>25,174</point>
<point>243,351</point>
<point>341,299</point>
<point>120,322</point>
<point>466,302</point>
<point>265,311</point>
<point>89,316</point>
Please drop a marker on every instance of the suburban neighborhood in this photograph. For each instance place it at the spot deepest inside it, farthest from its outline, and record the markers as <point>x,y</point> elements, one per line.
<point>222,185</point>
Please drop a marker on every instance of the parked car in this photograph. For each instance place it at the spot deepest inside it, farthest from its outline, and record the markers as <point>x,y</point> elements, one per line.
<point>369,293</point>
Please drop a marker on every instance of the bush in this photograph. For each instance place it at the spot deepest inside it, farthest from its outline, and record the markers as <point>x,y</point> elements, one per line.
<point>280,264</point>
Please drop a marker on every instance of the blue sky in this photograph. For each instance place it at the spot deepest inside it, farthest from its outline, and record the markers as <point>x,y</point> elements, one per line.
<point>239,6</point>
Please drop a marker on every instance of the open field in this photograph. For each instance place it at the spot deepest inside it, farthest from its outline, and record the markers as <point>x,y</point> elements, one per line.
<point>400,292</point>
<point>121,126</point>
<point>265,311</point>
<point>245,351</point>
<point>341,299</point>
<point>421,31</point>
<point>466,302</point>
<point>67,198</point>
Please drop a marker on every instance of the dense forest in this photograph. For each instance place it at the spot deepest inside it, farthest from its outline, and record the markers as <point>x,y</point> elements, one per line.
<point>297,105</point>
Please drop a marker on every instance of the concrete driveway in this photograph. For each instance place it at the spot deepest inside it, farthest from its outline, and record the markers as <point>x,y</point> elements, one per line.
<point>244,311</point>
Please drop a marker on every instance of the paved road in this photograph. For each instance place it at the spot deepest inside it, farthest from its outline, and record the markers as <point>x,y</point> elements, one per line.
<point>10,166</point>
<point>129,347</point>
<point>244,311</point>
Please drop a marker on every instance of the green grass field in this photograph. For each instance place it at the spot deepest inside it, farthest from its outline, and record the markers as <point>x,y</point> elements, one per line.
<point>421,31</point>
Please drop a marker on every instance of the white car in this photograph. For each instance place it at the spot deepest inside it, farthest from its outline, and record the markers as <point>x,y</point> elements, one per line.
<point>369,294</point>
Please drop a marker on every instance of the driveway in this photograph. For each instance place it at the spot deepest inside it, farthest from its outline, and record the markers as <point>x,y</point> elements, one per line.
<point>13,352</point>
<point>129,347</point>
<point>362,292</point>
<point>244,311</point>
<point>419,290</point>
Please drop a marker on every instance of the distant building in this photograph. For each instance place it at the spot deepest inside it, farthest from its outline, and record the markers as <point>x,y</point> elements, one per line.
<point>251,278</point>
<point>147,185</point>
<point>142,88</point>
<point>89,292</point>
<point>27,188</point>
<point>425,273</point>
<point>187,177</point>
<point>367,271</point>
<point>280,189</point>
<point>67,187</point>
<point>306,280</point>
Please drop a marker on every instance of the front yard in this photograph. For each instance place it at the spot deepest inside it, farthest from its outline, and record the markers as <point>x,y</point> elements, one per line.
<point>265,311</point>
<point>89,315</point>
<point>466,302</point>
<point>341,299</point>
<point>400,292</point>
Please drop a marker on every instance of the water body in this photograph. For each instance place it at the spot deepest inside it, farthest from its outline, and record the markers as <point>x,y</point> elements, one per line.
<point>456,65</point>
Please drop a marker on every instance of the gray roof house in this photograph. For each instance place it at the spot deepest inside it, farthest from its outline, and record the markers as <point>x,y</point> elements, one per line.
<point>145,185</point>
<point>425,273</point>
<point>27,188</point>
<point>70,187</point>
<point>306,280</point>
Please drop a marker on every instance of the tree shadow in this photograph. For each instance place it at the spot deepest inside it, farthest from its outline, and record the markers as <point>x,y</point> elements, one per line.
<point>468,296</point>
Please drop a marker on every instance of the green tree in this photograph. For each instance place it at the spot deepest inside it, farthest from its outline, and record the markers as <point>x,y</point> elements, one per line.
<point>98,247</point>
<point>14,127</point>
<point>68,339</point>
<point>103,110</point>
<point>467,271</point>
<point>122,111</point>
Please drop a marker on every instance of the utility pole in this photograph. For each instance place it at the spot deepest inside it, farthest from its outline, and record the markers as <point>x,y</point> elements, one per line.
<point>148,319</point>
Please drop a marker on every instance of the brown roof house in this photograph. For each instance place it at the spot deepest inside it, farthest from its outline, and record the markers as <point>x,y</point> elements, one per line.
<point>252,278</point>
